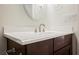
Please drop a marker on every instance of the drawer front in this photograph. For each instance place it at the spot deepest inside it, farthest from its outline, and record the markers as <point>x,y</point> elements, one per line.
<point>40,48</point>
<point>64,51</point>
<point>62,41</point>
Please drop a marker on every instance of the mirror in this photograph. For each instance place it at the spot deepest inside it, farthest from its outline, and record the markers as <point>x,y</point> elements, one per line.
<point>28,10</point>
<point>35,11</point>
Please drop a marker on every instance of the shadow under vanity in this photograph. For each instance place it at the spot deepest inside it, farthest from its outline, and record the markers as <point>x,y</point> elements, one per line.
<point>61,45</point>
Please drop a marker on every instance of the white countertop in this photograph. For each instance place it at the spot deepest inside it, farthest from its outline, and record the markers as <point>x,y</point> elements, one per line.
<point>24,38</point>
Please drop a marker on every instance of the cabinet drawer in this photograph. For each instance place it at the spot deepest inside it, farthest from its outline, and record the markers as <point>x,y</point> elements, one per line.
<point>64,51</point>
<point>62,41</point>
<point>40,48</point>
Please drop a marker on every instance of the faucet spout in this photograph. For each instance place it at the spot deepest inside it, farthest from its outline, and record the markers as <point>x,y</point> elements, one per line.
<point>40,29</point>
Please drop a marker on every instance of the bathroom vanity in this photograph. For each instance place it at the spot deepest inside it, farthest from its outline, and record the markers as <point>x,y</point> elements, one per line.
<point>59,45</point>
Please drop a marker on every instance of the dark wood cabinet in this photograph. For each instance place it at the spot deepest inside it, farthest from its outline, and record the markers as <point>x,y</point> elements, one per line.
<point>62,42</point>
<point>56,46</point>
<point>40,48</point>
<point>64,51</point>
<point>58,43</point>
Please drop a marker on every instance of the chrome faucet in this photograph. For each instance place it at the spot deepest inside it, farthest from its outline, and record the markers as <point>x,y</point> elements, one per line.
<point>43,30</point>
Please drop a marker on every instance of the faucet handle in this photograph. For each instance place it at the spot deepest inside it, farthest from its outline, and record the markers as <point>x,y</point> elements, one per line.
<point>35,29</point>
<point>43,30</point>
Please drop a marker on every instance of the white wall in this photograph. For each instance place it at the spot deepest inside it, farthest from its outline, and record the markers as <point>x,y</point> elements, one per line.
<point>61,16</point>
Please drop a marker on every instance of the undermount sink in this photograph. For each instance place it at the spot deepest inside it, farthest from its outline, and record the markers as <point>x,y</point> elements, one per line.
<point>30,37</point>
<point>31,34</point>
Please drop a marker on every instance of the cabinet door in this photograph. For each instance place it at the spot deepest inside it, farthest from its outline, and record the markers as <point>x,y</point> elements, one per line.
<point>40,48</point>
<point>64,51</point>
<point>62,41</point>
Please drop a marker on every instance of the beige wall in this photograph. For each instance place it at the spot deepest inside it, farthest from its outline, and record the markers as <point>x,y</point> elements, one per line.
<point>14,15</point>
